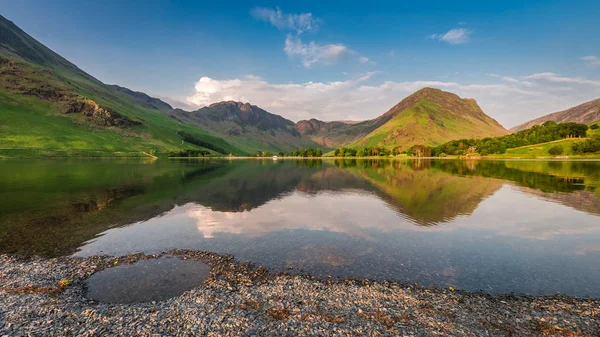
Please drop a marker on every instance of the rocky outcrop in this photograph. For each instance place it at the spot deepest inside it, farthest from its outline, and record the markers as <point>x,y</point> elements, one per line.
<point>311,126</point>
<point>99,115</point>
<point>20,79</point>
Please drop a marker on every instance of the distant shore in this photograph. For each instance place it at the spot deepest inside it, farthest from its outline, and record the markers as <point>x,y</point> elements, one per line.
<point>242,299</point>
<point>51,154</point>
<point>597,157</point>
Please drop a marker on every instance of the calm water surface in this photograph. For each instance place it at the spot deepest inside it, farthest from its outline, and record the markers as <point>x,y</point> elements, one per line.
<point>508,226</point>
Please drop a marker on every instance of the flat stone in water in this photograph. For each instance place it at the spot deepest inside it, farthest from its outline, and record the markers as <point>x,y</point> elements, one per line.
<point>146,280</point>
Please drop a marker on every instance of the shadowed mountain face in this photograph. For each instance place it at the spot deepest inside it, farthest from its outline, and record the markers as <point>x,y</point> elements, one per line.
<point>247,126</point>
<point>50,208</point>
<point>245,114</point>
<point>585,113</point>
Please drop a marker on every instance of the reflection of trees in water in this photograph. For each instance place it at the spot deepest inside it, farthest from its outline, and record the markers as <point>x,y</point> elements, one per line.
<point>425,191</point>
<point>492,169</point>
<point>525,174</point>
<point>549,177</point>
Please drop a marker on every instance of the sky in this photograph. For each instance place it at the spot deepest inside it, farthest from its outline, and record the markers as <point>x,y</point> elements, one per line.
<point>331,60</point>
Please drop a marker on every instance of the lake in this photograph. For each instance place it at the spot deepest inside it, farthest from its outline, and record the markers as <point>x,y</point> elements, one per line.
<point>529,227</point>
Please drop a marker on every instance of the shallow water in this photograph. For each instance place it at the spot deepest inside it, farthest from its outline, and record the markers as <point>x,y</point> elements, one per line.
<point>499,226</point>
<point>146,280</point>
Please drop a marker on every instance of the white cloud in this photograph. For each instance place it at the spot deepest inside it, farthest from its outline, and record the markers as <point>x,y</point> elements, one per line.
<point>591,61</point>
<point>513,80</point>
<point>364,59</point>
<point>453,36</point>
<point>552,77</point>
<point>299,23</point>
<point>391,53</point>
<point>511,101</point>
<point>253,77</point>
<point>313,53</point>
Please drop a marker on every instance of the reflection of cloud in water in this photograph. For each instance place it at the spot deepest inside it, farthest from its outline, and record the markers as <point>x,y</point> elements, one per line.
<point>350,214</point>
<point>355,214</point>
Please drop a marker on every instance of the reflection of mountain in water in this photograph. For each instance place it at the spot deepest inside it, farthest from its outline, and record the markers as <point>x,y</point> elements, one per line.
<point>50,208</point>
<point>424,195</point>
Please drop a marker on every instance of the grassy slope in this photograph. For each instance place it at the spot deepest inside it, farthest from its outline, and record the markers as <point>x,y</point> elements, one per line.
<point>541,150</point>
<point>37,126</point>
<point>28,122</point>
<point>426,123</point>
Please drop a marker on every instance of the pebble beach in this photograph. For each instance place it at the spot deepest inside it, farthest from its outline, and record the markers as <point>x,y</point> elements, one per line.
<point>47,297</point>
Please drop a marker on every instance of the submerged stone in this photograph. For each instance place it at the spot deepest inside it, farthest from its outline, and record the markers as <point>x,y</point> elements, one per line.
<point>146,280</point>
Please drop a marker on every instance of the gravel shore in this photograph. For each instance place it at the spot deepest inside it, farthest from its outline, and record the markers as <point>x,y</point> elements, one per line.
<point>244,300</point>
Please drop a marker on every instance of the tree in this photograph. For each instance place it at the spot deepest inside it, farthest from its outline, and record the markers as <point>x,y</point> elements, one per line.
<point>594,126</point>
<point>556,150</point>
<point>589,146</point>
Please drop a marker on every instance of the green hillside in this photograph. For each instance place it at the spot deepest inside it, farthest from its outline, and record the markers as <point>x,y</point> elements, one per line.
<point>541,150</point>
<point>49,107</point>
<point>431,117</point>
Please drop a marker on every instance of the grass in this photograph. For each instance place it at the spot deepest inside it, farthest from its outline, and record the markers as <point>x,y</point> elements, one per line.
<point>37,126</point>
<point>541,151</point>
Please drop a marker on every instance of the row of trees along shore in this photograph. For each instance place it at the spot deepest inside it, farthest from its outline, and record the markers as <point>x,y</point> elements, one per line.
<point>364,152</point>
<point>549,131</point>
<point>311,152</point>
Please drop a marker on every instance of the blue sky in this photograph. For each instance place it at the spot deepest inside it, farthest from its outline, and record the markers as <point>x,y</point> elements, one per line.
<point>331,60</point>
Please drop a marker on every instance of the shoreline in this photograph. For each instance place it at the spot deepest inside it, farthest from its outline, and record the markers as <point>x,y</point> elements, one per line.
<point>159,156</point>
<point>244,299</point>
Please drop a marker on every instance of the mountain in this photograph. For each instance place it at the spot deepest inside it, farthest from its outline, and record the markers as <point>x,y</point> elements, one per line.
<point>428,116</point>
<point>51,107</point>
<point>246,126</point>
<point>329,134</point>
<point>585,113</point>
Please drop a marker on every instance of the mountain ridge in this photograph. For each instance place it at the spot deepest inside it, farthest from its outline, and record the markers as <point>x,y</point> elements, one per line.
<point>247,126</point>
<point>584,113</point>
